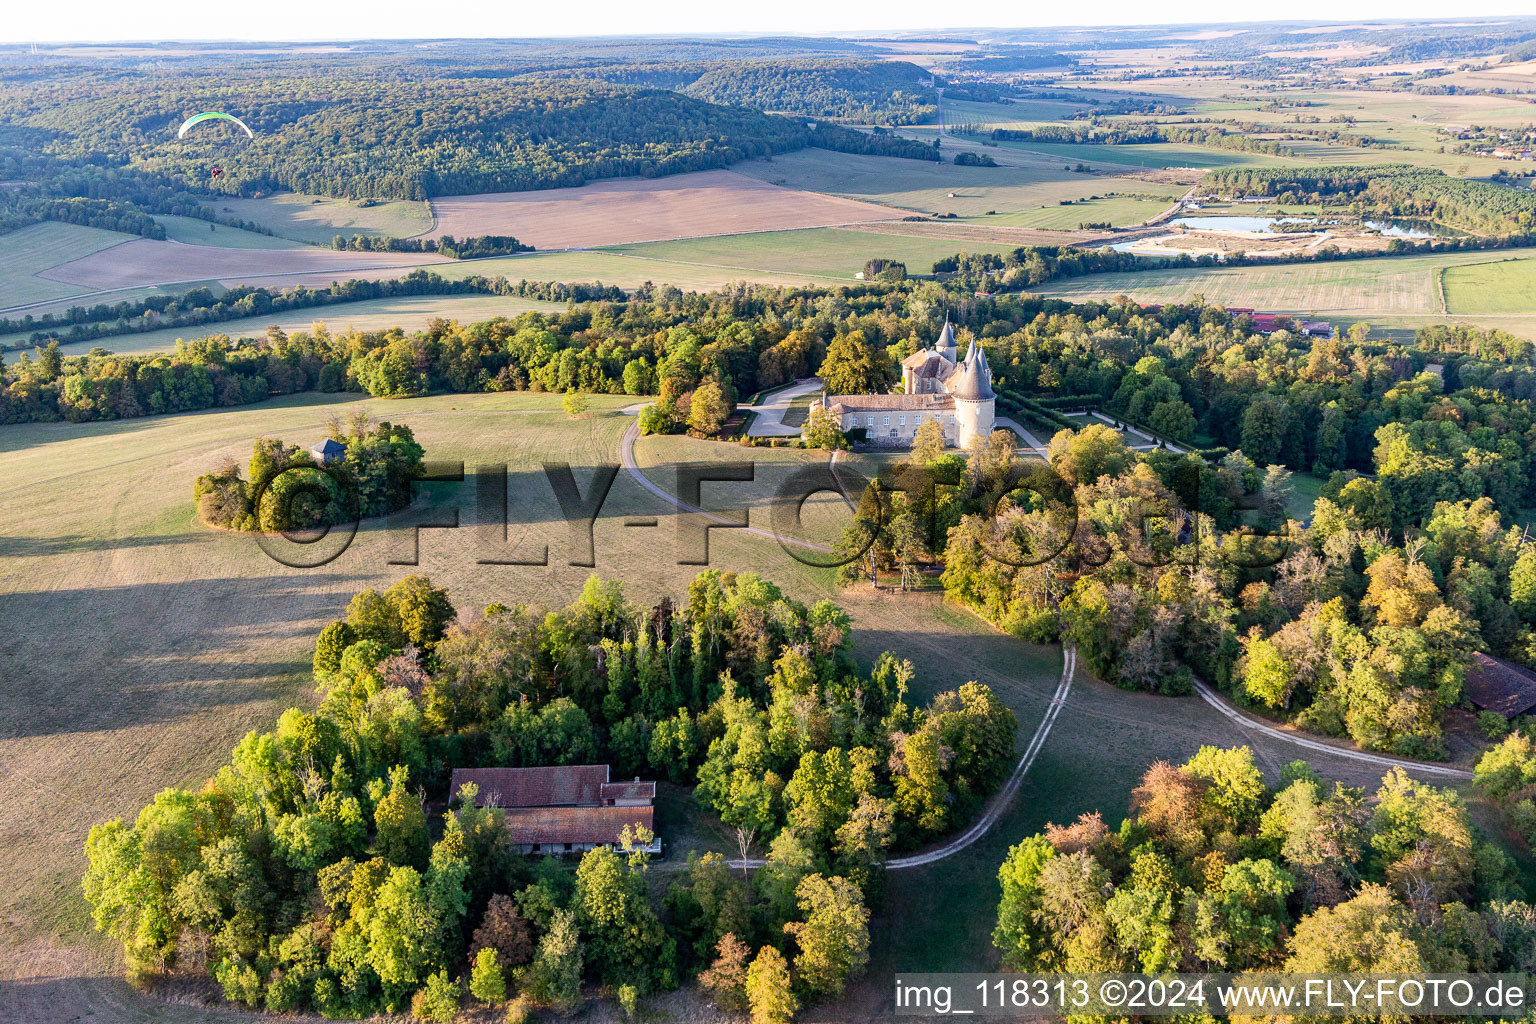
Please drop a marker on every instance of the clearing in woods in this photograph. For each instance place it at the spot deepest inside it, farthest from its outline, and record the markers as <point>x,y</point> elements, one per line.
<point>142,646</point>
<point>643,210</point>
<point>192,231</point>
<point>318,219</point>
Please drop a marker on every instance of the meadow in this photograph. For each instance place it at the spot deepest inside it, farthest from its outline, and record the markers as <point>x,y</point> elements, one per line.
<point>143,645</point>
<point>318,219</point>
<point>828,252</point>
<point>410,313</point>
<point>1498,286</point>
<point>27,251</point>
<point>1030,182</point>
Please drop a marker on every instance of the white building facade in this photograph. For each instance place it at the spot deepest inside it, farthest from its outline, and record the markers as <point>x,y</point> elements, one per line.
<point>958,394</point>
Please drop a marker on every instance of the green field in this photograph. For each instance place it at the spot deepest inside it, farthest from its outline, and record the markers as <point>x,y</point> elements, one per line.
<point>201,232</point>
<point>1401,284</point>
<point>919,185</point>
<point>1120,211</point>
<point>318,219</point>
<point>1505,287</point>
<point>828,252</point>
<point>622,269</point>
<point>37,247</point>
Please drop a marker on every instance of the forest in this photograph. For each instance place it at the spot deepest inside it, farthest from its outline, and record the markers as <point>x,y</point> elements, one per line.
<point>1390,190</point>
<point>1212,870</point>
<point>307,875</point>
<point>374,128</point>
<point>866,91</point>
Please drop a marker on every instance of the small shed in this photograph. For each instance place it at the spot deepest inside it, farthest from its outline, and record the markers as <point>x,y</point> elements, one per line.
<point>328,451</point>
<point>1496,685</point>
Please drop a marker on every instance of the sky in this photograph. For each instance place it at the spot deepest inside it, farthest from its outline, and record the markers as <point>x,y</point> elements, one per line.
<point>106,20</point>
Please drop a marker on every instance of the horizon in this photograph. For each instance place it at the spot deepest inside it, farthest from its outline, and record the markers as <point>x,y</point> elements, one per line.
<point>799,19</point>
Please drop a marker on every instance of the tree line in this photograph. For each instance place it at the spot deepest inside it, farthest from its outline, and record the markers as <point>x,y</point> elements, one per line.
<point>1212,870</point>
<point>1394,190</point>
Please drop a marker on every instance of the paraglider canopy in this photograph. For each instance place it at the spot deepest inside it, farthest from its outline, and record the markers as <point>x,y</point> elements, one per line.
<point>196,119</point>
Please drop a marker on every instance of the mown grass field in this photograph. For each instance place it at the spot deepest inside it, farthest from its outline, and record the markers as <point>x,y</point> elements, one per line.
<point>193,231</point>
<point>1119,211</point>
<point>1027,183</point>
<point>37,247</point>
<point>318,219</point>
<point>829,252</point>
<point>141,646</point>
<point>622,269</point>
<point>1402,284</point>
<point>1505,287</point>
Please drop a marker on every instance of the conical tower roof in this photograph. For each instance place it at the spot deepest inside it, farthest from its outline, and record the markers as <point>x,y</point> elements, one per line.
<point>973,380</point>
<point>946,343</point>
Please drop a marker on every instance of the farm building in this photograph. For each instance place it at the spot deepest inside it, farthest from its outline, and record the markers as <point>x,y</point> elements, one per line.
<point>563,808</point>
<point>1495,685</point>
<point>328,451</point>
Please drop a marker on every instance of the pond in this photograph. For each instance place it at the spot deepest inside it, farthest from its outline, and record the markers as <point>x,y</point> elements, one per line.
<point>1398,228</point>
<point>1226,223</point>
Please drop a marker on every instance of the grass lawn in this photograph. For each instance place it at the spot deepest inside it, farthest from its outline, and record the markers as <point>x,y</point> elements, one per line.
<point>201,232</point>
<point>318,219</point>
<point>38,247</point>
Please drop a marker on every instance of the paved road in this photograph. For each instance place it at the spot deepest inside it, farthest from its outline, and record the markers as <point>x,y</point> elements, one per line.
<point>1030,440</point>
<point>770,414</point>
<point>1380,760</point>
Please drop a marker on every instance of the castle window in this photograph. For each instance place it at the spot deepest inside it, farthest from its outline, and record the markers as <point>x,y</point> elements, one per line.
<point>887,422</point>
<point>901,421</point>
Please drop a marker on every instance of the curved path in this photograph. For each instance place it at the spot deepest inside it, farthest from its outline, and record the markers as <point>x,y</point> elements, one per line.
<point>1004,797</point>
<point>1380,760</point>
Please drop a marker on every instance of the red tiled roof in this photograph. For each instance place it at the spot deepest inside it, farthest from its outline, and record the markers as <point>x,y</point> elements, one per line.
<point>559,786</point>
<point>1495,685</point>
<point>924,402</point>
<point>574,824</point>
<point>635,790</point>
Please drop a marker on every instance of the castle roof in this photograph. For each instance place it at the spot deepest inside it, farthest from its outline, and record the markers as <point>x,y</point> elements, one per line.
<point>840,404</point>
<point>972,382</point>
<point>946,337</point>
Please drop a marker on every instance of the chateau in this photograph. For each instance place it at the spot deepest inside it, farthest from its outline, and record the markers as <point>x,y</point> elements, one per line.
<point>935,386</point>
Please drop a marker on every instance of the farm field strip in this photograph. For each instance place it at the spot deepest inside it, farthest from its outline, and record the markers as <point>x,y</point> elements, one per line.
<point>1396,285</point>
<point>625,210</point>
<point>27,252</point>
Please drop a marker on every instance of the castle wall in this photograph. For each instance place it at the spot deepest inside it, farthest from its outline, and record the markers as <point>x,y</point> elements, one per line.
<point>973,420</point>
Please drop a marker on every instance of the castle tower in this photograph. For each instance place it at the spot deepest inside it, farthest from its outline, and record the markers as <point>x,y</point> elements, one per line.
<point>975,401</point>
<point>945,346</point>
